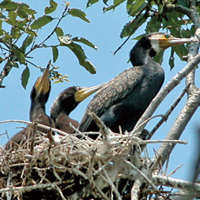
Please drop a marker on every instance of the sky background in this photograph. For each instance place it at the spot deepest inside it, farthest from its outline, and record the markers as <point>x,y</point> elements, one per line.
<point>103,31</point>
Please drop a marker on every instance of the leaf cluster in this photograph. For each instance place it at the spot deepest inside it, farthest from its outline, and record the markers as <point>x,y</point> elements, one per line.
<point>155,16</point>
<point>19,34</point>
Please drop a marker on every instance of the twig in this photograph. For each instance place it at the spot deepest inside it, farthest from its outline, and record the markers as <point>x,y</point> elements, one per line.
<point>110,182</point>
<point>174,171</point>
<point>166,115</point>
<point>175,183</point>
<point>142,175</point>
<point>103,129</point>
<point>28,188</point>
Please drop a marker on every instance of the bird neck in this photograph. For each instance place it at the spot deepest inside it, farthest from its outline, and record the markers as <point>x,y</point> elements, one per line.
<point>142,52</point>
<point>37,107</point>
<point>60,107</point>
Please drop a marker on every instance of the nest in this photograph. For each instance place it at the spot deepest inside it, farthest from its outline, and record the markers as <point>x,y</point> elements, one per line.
<point>76,167</point>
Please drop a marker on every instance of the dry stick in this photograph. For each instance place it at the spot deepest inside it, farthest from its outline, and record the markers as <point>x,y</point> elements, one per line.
<point>166,115</point>
<point>175,183</point>
<point>102,128</point>
<point>60,192</point>
<point>29,188</point>
<point>174,171</point>
<point>139,180</point>
<point>39,125</point>
<point>142,175</point>
<point>110,182</point>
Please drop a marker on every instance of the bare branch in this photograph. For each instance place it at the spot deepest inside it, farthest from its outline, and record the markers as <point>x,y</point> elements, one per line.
<point>180,123</point>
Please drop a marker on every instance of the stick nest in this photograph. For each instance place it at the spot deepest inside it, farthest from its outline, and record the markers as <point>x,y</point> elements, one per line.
<point>72,168</point>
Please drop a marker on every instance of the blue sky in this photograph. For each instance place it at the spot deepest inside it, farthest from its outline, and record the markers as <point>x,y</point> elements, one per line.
<point>103,31</point>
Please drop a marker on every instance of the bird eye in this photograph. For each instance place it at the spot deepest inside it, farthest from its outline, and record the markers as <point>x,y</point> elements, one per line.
<point>167,35</point>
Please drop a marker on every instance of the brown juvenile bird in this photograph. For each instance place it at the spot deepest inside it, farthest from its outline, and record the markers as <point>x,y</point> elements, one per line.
<point>39,96</point>
<point>66,102</point>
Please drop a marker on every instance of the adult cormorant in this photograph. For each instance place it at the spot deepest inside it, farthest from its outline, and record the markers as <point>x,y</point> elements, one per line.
<point>67,101</point>
<point>122,101</point>
<point>39,96</point>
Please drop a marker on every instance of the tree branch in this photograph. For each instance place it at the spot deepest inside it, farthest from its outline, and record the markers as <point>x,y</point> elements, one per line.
<point>179,125</point>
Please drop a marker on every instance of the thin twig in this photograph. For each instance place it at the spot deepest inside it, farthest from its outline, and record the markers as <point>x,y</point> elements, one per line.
<point>166,115</point>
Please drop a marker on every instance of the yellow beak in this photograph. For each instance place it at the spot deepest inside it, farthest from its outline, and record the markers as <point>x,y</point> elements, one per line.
<point>43,84</point>
<point>84,92</point>
<point>173,41</point>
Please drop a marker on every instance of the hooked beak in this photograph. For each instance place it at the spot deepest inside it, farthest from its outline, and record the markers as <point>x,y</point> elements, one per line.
<point>85,92</point>
<point>42,85</point>
<point>173,41</point>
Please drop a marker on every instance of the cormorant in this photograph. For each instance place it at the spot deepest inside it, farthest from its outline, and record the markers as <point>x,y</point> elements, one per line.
<point>67,101</point>
<point>122,101</point>
<point>39,96</point>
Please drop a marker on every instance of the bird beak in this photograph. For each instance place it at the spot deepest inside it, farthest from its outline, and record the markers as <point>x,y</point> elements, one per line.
<point>165,42</point>
<point>85,92</point>
<point>43,84</point>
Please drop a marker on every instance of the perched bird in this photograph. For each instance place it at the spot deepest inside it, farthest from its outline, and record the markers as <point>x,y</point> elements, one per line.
<point>67,101</point>
<point>122,101</point>
<point>39,96</point>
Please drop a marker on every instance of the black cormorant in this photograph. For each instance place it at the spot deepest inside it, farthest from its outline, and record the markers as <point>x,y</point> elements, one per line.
<point>39,96</point>
<point>122,101</point>
<point>67,101</point>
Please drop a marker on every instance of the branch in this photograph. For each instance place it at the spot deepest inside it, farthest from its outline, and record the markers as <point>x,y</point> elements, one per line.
<point>166,115</point>
<point>6,70</point>
<point>176,183</point>
<point>179,125</point>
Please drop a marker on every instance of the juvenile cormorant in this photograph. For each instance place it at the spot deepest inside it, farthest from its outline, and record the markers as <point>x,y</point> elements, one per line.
<point>67,101</point>
<point>39,96</point>
<point>122,101</point>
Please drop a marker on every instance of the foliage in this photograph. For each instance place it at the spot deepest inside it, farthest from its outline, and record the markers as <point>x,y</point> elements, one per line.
<point>156,16</point>
<point>19,35</point>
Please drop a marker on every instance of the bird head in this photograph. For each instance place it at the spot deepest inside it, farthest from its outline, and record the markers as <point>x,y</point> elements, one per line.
<point>70,98</point>
<point>42,86</point>
<point>153,43</point>
<point>162,41</point>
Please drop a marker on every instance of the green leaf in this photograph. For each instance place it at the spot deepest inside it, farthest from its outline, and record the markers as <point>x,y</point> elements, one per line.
<point>40,22</point>
<point>22,14</point>
<point>55,53</point>
<point>78,13</point>
<point>8,5</point>
<point>12,15</point>
<point>84,41</point>
<point>184,3</point>
<point>137,7</point>
<point>90,2</point>
<point>20,56</point>
<point>15,32</point>
<point>59,32</point>
<point>25,77</point>
<point>153,25</point>
<point>28,40</point>
<point>51,8</point>
<point>79,52</point>
<point>90,67</point>
<point>116,3</point>
<point>132,26</point>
